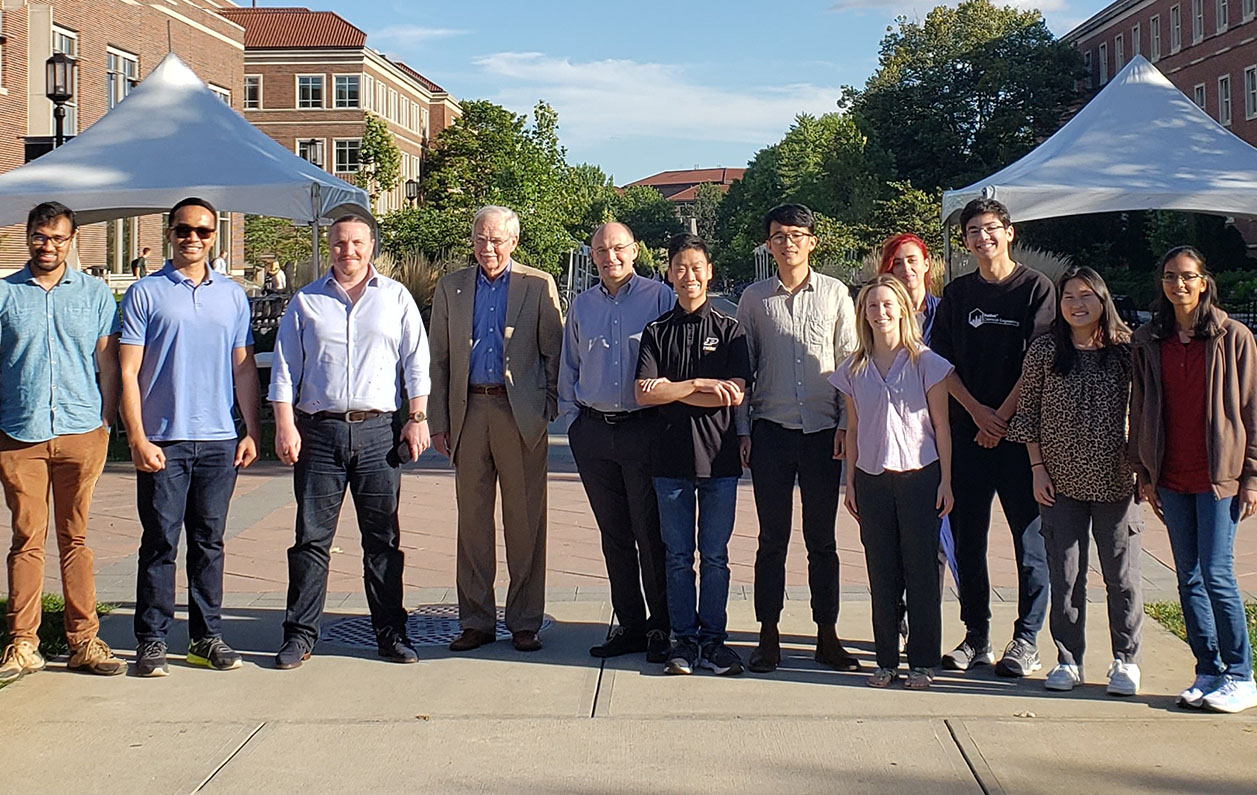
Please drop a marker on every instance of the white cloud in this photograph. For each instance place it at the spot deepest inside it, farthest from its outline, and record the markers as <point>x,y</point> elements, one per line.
<point>618,99</point>
<point>403,35</point>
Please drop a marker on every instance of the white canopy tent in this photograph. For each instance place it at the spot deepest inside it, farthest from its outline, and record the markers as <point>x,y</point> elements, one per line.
<point>170,139</point>
<point>1139,144</point>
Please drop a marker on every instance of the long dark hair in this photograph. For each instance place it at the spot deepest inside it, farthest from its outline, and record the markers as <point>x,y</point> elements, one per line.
<point>1203,324</point>
<point>1111,336</point>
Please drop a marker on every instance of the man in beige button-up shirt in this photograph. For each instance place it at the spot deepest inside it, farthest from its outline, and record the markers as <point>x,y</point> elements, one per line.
<point>799,325</point>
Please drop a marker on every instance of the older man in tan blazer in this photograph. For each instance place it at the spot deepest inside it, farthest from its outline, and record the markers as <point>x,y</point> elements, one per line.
<point>496,336</point>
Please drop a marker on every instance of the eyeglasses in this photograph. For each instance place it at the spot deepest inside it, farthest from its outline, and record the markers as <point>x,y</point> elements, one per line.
<point>794,237</point>
<point>496,242</point>
<point>990,229</point>
<point>603,251</point>
<point>1186,278</point>
<point>203,232</point>
<point>57,240</point>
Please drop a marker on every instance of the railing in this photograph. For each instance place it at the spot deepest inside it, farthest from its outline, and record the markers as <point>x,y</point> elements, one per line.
<point>266,310</point>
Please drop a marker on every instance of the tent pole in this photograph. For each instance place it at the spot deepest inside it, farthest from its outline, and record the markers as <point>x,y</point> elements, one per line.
<point>315,212</point>
<point>947,251</point>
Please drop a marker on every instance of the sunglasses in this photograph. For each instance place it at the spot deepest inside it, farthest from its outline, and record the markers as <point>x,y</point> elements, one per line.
<point>203,232</point>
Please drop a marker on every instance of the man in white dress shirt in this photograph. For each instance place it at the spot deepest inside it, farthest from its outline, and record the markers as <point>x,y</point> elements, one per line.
<point>346,345</point>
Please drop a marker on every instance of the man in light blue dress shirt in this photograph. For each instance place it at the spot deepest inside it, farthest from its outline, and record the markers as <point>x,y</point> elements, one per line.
<point>610,434</point>
<point>347,345</point>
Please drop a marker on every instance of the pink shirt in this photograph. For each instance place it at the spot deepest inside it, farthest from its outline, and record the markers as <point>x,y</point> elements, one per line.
<point>895,432</point>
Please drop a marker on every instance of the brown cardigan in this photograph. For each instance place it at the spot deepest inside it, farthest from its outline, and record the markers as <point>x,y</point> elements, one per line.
<point>1230,406</point>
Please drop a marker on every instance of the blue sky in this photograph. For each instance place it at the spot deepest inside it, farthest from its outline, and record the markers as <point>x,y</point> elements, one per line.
<point>647,86</point>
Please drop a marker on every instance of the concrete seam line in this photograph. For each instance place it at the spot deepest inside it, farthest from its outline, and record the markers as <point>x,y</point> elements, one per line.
<point>230,757</point>
<point>982,772</point>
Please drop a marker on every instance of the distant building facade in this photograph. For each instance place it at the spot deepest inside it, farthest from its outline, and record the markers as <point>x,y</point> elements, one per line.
<point>679,187</point>
<point>310,79</point>
<point>115,44</point>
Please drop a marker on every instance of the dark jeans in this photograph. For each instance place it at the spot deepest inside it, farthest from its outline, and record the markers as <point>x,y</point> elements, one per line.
<point>336,454</point>
<point>697,615</point>
<point>779,456</point>
<point>978,474</point>
<point>1068,525</point>
<point>614,465</point>
<point>192,492</point>
<point>899,530</point>
<point>1202,539</point>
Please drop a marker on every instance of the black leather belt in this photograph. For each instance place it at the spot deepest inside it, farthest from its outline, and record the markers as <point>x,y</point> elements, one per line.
<point>486,389</point>
<point>614,417</point>
<point>346,416</point>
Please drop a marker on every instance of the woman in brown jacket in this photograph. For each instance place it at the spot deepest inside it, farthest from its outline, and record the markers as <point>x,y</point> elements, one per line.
<point>1193,439</point>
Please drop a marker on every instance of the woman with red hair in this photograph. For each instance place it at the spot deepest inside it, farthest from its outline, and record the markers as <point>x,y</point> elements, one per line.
<point>905,257</point>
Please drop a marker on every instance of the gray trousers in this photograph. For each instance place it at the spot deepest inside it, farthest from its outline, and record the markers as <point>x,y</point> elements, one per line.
<point>1116,527</point>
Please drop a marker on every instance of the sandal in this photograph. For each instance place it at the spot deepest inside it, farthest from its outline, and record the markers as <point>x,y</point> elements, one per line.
<point>919,679</point>
<point>882,677</point>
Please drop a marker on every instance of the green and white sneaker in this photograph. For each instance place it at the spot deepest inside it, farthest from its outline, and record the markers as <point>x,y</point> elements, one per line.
<point>213,653</point>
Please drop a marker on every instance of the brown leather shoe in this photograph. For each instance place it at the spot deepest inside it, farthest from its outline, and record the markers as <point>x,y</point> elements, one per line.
<point>525,640</point>
<point>829,650</point>
<point>471,639</point>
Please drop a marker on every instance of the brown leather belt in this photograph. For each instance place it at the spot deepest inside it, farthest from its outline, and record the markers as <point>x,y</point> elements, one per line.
<point>486,389</point>
<point>346,416</point>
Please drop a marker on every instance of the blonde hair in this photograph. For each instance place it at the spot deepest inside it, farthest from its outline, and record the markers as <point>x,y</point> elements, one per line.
<point>909,333</point>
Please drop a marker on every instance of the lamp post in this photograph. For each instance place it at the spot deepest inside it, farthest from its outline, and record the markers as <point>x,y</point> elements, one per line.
<point>59,74</point>
<point>313,151</point>
<point>412,190</point>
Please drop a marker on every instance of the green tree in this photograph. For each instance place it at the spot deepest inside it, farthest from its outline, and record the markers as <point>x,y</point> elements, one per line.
<point>966,91</point>
<point>279,238</point>
<point>905,209</point>
<point>379,159</point>
<point>652,218</point>
<point>706,208</point>
<point>591,198</point>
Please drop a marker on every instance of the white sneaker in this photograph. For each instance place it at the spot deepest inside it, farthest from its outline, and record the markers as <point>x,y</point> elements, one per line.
<point>1194,696</point>
<point>1234,695</point>
<point>1064,677</point>
<point>1123,679</point>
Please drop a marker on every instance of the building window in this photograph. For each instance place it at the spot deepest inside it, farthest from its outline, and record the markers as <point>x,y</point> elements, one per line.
<point>347,94</point>
<point>1102,55</point>
<point>67,41</point>
<point>1198,95</point>
<point>122,72</point>
<point>416,166</point>
<point>1224,10</point>
<point>1154,38</point>
<point>380,107</point>
<point>1250,9</point>
<point>405,119</point>
<point>368,92</point>
<point>392,105</point>
<point>1198,21</point>
<point>1119,53</point>
<point>311,149</point>
<point>1250,92</point>
<point>220,92</point>
<point>1224,100</point>
<point>309,91</point>
<point>252,92</point>
<point>1176,29</point>
<point>423,119</point>
<point>1135,43</point>
<point>347,154</point>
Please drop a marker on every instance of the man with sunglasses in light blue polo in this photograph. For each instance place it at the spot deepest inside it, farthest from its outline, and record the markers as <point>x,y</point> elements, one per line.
<point>186,343</point>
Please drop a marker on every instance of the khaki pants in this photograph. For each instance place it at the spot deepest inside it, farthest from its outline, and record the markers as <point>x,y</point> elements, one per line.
<point>69,467</point>
<point>492,454</point>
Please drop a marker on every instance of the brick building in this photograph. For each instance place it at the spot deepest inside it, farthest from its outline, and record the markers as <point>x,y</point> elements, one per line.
<point>679,186</point>
<point>115,44</point>
<point>1207,48</point>
<point>310,79</point>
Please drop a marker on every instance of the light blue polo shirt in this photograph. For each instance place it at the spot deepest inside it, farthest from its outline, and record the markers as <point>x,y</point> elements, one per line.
<point>47,344</point>
<point>188,333</point>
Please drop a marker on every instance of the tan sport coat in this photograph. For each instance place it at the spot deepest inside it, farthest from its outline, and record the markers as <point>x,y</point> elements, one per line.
<point>534,339</point>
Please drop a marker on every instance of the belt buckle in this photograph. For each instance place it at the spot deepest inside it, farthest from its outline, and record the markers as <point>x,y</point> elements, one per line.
<point>357,416</point>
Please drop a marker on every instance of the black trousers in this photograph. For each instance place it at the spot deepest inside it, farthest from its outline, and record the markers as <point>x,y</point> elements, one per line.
<point>978,474</point>
<point>614,465</point>
<point>899,529</point>
<point>779,456</point>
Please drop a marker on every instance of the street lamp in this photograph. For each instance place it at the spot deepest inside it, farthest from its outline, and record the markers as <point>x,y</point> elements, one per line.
<point>59,88</point>
<point>314,152</point>
<point>412,190</point>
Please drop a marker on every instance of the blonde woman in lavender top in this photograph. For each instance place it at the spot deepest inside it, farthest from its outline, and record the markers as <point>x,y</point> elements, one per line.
<point>899,486</point>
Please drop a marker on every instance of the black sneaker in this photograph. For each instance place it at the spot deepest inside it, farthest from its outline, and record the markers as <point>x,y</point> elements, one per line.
<point>622,641</point>
<point>213,653</point>
<point>292,654</point>
<point>971,652</point>
<point>657,646</point>
<point>682,659</point>
<point>150,658</point>
<point>721,659</point>
<point>1020,658</point>
<point>395,647</point>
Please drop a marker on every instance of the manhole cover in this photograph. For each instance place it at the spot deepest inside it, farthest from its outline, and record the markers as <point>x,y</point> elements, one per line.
<point>427,625</point>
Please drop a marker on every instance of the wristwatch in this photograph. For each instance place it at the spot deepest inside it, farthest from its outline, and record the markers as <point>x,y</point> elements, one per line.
<point>418,416</point>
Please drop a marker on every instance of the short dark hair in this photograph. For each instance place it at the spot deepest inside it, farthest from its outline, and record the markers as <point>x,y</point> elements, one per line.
<point>789,215</point>
<point>193,201</point>
<point>353,218</point>
<point>42,213</point>
<point>981,207</point>
<point>684,242</point>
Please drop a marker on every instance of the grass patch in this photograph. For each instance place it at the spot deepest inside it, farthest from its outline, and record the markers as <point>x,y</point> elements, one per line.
<point>1170,616</point>
<point>52,640</point>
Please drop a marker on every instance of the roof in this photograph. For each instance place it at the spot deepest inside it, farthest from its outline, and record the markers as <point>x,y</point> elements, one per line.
<point>423,81</point>
<point>294,28</point>
<point>691,193</point>
<point>719,176</point>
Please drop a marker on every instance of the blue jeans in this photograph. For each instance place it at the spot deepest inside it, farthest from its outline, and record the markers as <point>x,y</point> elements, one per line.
<point>192,492</point>
<point>716,500</point>
<point>1202,538</point>
<point>336,454</point>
